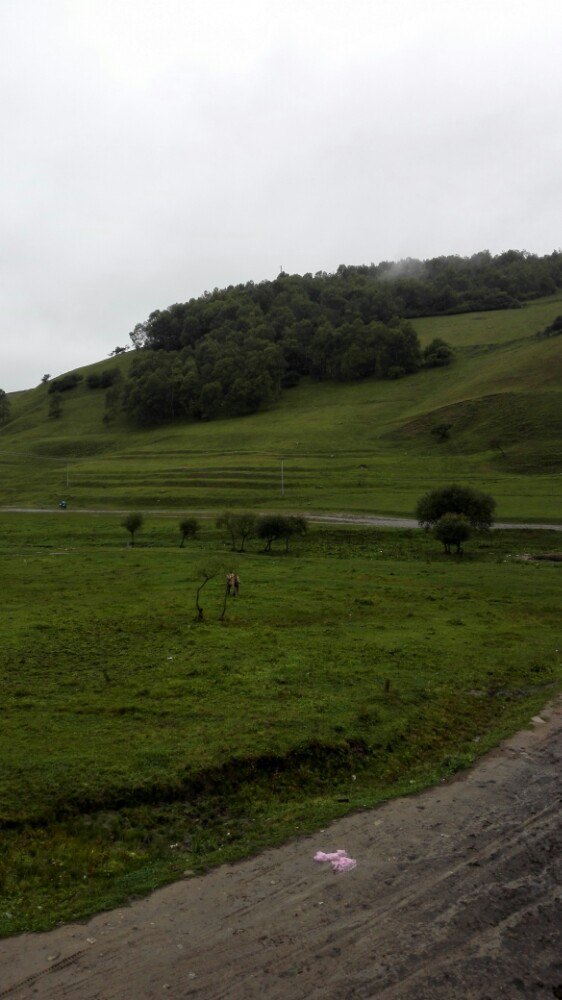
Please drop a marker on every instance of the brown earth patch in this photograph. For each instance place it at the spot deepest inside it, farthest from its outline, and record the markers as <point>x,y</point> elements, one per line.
<point>456,894</point>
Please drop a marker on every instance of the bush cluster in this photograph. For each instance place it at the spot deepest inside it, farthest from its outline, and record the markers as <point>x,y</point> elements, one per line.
<point>65,382</point>
<point>452,512</point>
<point>240,528</point>
<point>104,379</point>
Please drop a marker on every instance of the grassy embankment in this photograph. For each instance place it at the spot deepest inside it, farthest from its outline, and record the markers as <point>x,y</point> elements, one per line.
<point>137,745</point>
<point>359,447</point>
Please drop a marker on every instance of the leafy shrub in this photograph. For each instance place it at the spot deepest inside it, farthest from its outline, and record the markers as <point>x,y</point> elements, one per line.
<point>452,529</point>
<point>65,382</point>
<point>478,508</point>
<point>274,527</point>
<point>438,354</point>
<point>104,379</point>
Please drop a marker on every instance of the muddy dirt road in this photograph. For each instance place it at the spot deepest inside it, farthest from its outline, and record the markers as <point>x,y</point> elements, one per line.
<point>368,520</point>
<point>456,894</point>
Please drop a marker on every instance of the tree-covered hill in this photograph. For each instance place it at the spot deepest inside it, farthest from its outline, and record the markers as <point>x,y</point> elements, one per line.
<point>232,351</point>
<point>379,408</point>
<point>367,445</point>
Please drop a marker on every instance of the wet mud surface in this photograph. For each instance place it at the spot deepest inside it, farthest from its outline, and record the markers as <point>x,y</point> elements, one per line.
<point>456,894</point>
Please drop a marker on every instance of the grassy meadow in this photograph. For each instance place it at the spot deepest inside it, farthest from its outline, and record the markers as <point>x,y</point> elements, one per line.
<point>364,447</point>
<point>139,746</point>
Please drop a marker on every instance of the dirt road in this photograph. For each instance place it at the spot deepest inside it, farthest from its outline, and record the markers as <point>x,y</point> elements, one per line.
<point>410,522</point>
<point>369,520</point>
<point>456,894</point>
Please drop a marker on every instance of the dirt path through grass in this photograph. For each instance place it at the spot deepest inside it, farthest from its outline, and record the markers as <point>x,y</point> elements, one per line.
<point>454,896</point>
<point>369,520</point>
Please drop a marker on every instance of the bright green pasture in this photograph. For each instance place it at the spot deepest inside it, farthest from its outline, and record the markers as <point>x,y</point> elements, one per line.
<point>137,744</point>
<point>490,327</point>
<point>365,446</point>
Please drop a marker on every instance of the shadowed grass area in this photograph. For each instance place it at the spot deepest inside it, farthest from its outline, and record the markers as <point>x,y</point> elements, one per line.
<point>137,744</point>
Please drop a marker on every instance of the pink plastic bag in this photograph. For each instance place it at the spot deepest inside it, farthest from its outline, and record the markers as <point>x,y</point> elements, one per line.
<point>338,860</point>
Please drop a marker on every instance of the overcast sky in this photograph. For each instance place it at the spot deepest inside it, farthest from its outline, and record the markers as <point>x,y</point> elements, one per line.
<point>153,149</point>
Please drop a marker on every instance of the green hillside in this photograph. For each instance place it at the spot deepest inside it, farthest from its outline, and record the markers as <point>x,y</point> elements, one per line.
<point>363,446</point>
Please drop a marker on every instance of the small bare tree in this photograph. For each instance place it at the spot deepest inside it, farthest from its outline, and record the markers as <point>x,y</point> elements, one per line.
<point>205,573</point>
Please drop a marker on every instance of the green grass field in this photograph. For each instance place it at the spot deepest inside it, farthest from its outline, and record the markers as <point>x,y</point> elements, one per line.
<point>364,447</point>
<point>138,745</point>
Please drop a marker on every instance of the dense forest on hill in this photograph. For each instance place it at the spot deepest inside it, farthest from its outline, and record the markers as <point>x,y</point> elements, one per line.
<point>232,351</point>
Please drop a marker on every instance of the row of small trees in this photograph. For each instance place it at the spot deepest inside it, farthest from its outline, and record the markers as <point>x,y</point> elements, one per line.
<point>269,528</point>
<point>451,513</point>
<point>189,527</point>
<point>238,528</point>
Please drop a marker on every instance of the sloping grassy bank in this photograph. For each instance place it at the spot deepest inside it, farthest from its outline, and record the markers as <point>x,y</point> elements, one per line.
<point>138,745</point>
<point>365,446</point>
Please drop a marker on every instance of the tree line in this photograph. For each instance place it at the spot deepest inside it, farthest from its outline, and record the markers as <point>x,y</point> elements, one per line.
<point>238,529</point>
<point>450,512</point>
